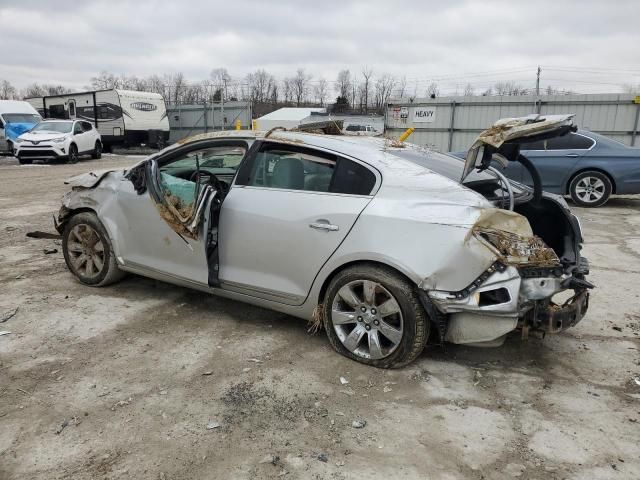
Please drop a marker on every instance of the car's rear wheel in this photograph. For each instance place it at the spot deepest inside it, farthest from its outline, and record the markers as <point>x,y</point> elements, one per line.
<point>88,251</point>
<point>73,154</point>
<point>373,315</point>
<point>590,189</point>
<point>97,151</point>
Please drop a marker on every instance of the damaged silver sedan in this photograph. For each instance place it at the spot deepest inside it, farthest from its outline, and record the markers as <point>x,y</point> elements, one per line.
<point>389,246</point>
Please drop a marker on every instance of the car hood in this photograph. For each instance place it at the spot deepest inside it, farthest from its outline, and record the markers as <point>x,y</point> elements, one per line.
<point>41,136</point>
<point>88,180</point>
<point>510,129</point>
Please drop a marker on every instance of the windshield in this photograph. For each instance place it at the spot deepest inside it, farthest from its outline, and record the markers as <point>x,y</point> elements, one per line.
<point>55,127</point>
<point>21,117</point>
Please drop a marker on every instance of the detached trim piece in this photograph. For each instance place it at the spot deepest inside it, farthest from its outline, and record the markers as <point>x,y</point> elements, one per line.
<point>496,267</point>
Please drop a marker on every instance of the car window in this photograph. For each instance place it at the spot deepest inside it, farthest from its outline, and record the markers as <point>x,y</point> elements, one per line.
<point>351,177</point>
<point>86,126</point>
<point>570,141</point>
<point>177,177</point>
<point>297,168</point>
<point>292,170</point>
<point>77,128</point>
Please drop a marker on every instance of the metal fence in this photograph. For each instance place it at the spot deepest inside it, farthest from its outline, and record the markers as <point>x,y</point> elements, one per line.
<point>187,120</point>
<point>452,123</point>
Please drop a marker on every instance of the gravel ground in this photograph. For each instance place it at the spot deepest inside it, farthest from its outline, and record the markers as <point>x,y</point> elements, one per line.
<point>145,380</point>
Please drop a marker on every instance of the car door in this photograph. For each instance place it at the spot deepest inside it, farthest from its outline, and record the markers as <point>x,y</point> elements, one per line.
<point>287,212</point>
<point>88,136</point>
<point>165,208</point>
<point>555,159</point>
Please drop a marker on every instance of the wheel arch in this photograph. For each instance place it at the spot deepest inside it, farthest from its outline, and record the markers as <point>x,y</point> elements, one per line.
<point>375,263</point>
<point>590,169</point>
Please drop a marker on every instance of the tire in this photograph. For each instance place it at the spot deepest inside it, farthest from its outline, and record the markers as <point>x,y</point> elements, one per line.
<point>402,334</point>
<point>590,188</point>
<point>97,151</point>
<point>73,154</point>
<point>25,161</point>
<point>84,235</point>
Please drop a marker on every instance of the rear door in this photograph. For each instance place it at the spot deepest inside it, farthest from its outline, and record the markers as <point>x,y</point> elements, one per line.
<point>555,159</point>
<point>288,211</point>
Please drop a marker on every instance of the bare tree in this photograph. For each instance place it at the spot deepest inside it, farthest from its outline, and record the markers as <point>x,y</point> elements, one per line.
<point>300,86</point>
<point>384,87</point>
<point>104,81</point>
<point>509,88</point>
<point>259,84</point>
<point>287,90</point>
<point>7,91</point>
<point>220,78</point>
<point>320,91</point>
<point>402,86</point>
<point>432,90</point>
<point>343,84</point>
<point>367,73</point>
<point>468,90</point>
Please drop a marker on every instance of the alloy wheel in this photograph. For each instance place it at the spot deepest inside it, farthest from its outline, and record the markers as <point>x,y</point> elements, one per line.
<point>590,189</point>
<point>367,319</point>
<point>86,251</point>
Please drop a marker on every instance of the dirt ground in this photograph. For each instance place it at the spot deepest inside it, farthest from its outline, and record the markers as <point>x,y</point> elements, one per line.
<point>123,382</point>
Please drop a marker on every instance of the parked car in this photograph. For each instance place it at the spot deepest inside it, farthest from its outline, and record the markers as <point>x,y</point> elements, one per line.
<point>587,166</point>
<point>16,117</point>
<point>365,130</point>
<point>59,140</point>
<point>380,242</point>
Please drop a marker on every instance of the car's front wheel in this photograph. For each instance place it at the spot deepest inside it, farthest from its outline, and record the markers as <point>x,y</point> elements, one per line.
<point>590,189</point>
<point>73,154</point>
<point>373,315</point>
<point>97,151</point>
<point>88,251</point>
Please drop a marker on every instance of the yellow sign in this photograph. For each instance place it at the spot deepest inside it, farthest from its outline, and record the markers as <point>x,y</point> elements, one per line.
<point>637,99</point>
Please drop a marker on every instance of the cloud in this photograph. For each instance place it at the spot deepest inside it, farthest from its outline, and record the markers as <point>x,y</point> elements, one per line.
<point>68,42</point>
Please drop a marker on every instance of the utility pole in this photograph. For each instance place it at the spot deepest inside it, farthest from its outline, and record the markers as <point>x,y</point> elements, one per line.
<point>538,81</point>
<point>223,90</point>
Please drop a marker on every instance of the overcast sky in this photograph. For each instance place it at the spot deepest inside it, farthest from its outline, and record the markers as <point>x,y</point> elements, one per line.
<point>585,45</point>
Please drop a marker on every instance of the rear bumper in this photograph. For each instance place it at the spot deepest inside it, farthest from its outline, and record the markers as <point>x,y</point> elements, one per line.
<point>504,299</point>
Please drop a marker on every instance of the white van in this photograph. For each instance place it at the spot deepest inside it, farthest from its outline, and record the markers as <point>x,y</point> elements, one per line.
<point>122,117</point>
<point>16,117</point>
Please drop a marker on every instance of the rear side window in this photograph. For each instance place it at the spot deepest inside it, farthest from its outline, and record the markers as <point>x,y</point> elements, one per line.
<point>570,141</point>
<point>351,177</point>
<point>86,126</point>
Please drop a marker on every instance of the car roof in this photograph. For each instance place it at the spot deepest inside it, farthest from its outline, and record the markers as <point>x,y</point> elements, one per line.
<point>373,150</point>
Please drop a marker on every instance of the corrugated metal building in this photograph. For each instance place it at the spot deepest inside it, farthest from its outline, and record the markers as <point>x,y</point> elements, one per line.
<point>452,123</point>
<point>188,120</point>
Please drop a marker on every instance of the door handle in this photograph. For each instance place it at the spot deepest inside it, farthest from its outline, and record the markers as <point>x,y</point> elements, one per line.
<point>324,226</point>
<point>572,155</point>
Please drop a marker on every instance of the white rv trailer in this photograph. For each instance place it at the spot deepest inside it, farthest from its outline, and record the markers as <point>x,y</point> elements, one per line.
<point>122,117</point>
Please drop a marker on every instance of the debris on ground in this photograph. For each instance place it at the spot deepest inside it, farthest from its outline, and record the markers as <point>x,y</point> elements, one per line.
<point>4,316</point>
<point>617,329</point>
<point>47,235</point>
<point>62,426</point>
<point>323,457</point>
<point>359,423</point>
<point>4,332</point>
<point>212,425</point>
<point>637,380</point>
<point>387,389</point>
<point>121,403</point>
<point>208,372</point>
<point>344,381</point>
<point>254,360</point>
<point>270,458</point>
<point>50,250</point>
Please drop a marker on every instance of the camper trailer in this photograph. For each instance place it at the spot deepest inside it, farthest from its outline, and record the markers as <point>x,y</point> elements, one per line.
<point>16,117</point>
<point>122,117</point>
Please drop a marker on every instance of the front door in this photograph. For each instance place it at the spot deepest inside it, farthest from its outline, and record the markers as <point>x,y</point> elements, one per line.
<point>288,211</point>
<point>165,228</point>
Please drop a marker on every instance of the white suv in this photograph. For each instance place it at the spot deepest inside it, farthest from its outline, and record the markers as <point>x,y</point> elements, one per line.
<point>58,139</point>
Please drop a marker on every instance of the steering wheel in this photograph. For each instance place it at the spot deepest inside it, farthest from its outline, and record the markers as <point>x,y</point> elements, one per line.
<point>206,178</point>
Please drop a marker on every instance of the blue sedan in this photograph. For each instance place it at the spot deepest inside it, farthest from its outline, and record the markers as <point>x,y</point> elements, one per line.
<point>585,165</point>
